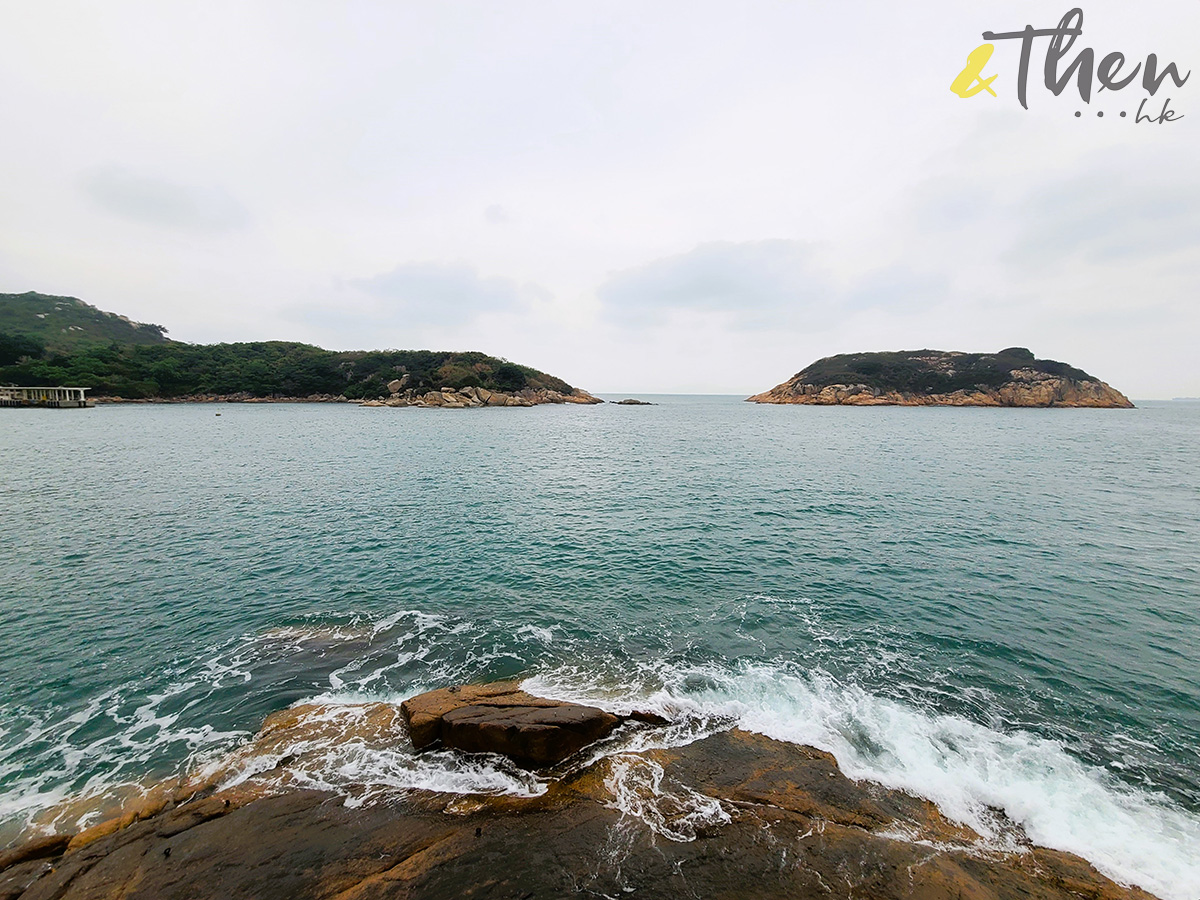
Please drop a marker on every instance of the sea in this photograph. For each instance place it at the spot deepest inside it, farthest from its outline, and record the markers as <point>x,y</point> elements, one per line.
<point>996,609</point>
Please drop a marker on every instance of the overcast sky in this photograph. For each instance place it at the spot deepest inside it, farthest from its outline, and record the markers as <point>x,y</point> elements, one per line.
<point>641,196</point>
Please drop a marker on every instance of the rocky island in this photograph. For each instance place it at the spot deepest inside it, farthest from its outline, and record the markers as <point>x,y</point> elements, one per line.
<point>731,815</point>
<point>1012,377</point>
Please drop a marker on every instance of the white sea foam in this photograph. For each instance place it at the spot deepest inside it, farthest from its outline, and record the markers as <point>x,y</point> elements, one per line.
<point>362,773</point>
<point>966,767</point>
<point>678,814</point>
<point>337,750</point>
<point>1132,835</point>
<point>545,635</point>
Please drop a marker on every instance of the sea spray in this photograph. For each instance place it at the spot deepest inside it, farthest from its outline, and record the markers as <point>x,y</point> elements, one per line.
<point>968,769</point>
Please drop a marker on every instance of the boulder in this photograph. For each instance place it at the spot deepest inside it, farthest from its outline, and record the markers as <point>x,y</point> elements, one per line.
<point>395,385</point>
<point>501,718</point>
<point>583,397</point>
<point>530,735</point>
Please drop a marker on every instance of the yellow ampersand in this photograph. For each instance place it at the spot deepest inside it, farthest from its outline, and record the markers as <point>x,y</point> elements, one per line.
<point>964,85</point>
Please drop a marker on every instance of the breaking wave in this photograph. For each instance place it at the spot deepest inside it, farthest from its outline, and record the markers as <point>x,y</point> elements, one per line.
<point>99,756</point>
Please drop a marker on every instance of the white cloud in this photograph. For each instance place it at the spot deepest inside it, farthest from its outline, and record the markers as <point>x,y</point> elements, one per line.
<point>757,282</point>
<point>414,304</point>
<point>161,203</point>
<point>444,292</point>
<point>1119,216</point>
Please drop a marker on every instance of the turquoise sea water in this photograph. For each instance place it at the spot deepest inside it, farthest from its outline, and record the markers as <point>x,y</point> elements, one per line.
<point>993,608</point>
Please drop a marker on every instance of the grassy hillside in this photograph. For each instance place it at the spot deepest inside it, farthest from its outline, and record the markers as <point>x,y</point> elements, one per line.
<point>930,371</point>
<point>63,324</point>
<point>64,341</point>
<point>266,369</point>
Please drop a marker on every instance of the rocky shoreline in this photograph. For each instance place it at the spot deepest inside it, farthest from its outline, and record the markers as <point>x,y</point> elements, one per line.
<point>1025,390</point>
<point>734,814</point>
<point>475,397</point>
<point>446,398</point>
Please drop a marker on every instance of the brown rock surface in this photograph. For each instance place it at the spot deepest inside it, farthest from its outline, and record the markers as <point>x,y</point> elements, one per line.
<point>38,848</point>
<point>733,816</point>
<point>1044,392</point>
<point>501,718</point>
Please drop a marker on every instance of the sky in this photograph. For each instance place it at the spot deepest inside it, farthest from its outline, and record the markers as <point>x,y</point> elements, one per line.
<point>644,196</point>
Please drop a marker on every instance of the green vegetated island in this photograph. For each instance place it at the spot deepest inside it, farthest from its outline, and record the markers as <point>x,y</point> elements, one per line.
<point>49,340</point>
<point>1012,377</point>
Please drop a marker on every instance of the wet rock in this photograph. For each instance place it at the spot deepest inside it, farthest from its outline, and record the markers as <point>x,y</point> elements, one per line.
<point>530,735</point>
<point>501,718</point>
<point>735,815</point>
<point>38,848</point>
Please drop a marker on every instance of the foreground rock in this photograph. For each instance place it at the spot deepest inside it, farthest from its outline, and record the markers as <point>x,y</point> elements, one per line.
<point>501,718</point>
<point>1012,377</point>
<point>735,815</point>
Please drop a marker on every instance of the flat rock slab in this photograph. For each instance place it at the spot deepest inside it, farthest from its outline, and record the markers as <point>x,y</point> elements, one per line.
<point>502,718</point>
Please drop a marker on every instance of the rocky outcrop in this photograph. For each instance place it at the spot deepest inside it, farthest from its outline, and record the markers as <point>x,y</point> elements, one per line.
<point>735,815</point>
<point>446,398</point>
<point>631,402</point>
<point>1044,392</point>
<point>475,397</point>
<point>937,378</point>
<point>501,718</point>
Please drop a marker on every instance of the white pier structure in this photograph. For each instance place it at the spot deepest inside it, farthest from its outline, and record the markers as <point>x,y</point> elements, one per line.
<point>52,397</point>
